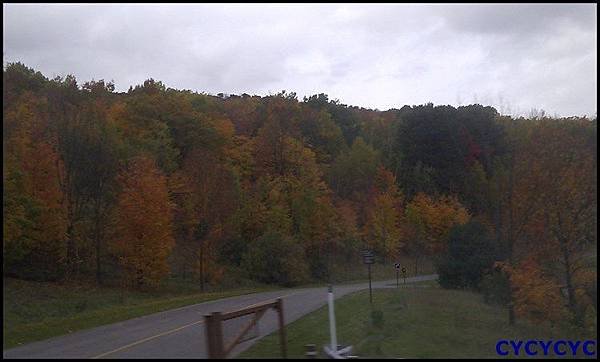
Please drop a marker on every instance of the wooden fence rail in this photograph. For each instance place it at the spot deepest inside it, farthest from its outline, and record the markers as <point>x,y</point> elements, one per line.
<point>214,327</point>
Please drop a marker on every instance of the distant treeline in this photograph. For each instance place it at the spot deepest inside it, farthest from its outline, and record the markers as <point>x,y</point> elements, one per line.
<point>156,182</point>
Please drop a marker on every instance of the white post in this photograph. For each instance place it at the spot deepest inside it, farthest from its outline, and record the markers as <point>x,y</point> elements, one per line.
<point>332,320</point>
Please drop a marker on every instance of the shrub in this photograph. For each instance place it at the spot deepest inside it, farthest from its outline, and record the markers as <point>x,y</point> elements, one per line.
<point>377,318</point>
<point>275,258</point>
<point>495,287</point>
<point>470,253</point>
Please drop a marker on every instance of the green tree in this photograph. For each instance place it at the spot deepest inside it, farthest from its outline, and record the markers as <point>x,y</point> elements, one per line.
<point>276,258</point>
<point>471,252</point>
<point>352,173</point>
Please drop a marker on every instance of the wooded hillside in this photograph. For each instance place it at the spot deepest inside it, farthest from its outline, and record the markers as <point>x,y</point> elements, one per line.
<point>158,181</point>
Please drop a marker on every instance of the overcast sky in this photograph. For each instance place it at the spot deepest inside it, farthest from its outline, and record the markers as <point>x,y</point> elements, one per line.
<point>514,57</point>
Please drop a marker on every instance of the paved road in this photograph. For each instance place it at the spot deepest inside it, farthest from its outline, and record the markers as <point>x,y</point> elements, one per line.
<point>180,333</point>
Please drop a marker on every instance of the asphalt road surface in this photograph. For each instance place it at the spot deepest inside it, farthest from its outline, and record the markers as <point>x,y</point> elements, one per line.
<point>180,333</point>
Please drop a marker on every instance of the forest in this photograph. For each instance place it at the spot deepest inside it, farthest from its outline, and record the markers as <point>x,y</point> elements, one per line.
<point>156,182</point>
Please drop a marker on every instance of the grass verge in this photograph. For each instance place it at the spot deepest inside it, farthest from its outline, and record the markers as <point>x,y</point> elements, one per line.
<point>36,311</point>
<point>414,322</point>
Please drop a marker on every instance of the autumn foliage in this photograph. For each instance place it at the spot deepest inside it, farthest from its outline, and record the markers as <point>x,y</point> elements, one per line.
<point>383,225</point>
<point>155,182</point>
<point>142,228</point>
<point>429,221</point>
<point>34,204</point>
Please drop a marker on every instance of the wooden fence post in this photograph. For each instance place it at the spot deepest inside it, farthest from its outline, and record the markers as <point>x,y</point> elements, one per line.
<point>214,335</point>
<point>214,328</point>
<point>282,337</point>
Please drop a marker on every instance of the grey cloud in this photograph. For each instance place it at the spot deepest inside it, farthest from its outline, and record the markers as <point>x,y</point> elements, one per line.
<point>380,56</point>
<point>524,19</point>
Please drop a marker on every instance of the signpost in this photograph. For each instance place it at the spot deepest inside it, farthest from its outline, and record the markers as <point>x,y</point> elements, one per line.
<point>369,258</point>
<point>404,274</point>
<point>397,266</point>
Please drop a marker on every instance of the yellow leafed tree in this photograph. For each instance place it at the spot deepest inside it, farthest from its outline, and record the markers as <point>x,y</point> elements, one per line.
<point>382,227</point>
<point>428,222</point>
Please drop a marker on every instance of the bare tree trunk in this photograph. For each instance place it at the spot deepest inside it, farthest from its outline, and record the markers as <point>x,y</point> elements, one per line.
<point>202,268</point>
<point>511,311</point>
<point>70,250</point>
<point>122,293</point>
<point>98,242</point>
<point>571,303</point>
<point>98,263</point>
<point>416,265</point>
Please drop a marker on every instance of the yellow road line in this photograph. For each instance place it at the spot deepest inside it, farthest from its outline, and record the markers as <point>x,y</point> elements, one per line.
<point>172,331</point>
<point>148,339</point>
<point>255,304</point>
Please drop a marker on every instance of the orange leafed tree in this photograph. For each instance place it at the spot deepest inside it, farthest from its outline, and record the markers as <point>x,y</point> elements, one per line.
<point>143,238</point>
<point>564,226</point>
<point>205,198</point>
<point>428,221</point>
<point>34,217</point>
<point>382,227</point>
<point>447,212</point>
<point>41,163</point>
<point>537,295</point>
<point>346,223</point>
<point>546,201</point>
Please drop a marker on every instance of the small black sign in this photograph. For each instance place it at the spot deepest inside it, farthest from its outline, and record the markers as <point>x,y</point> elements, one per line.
<point>368,256</point>
<point>368,253</point>
<point>397,265</point>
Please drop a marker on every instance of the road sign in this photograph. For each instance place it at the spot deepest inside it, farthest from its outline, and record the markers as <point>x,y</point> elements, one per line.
<point>368,253</point>
<point>403,270</point>
<point>368,256</point>
<point>397,265</point>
